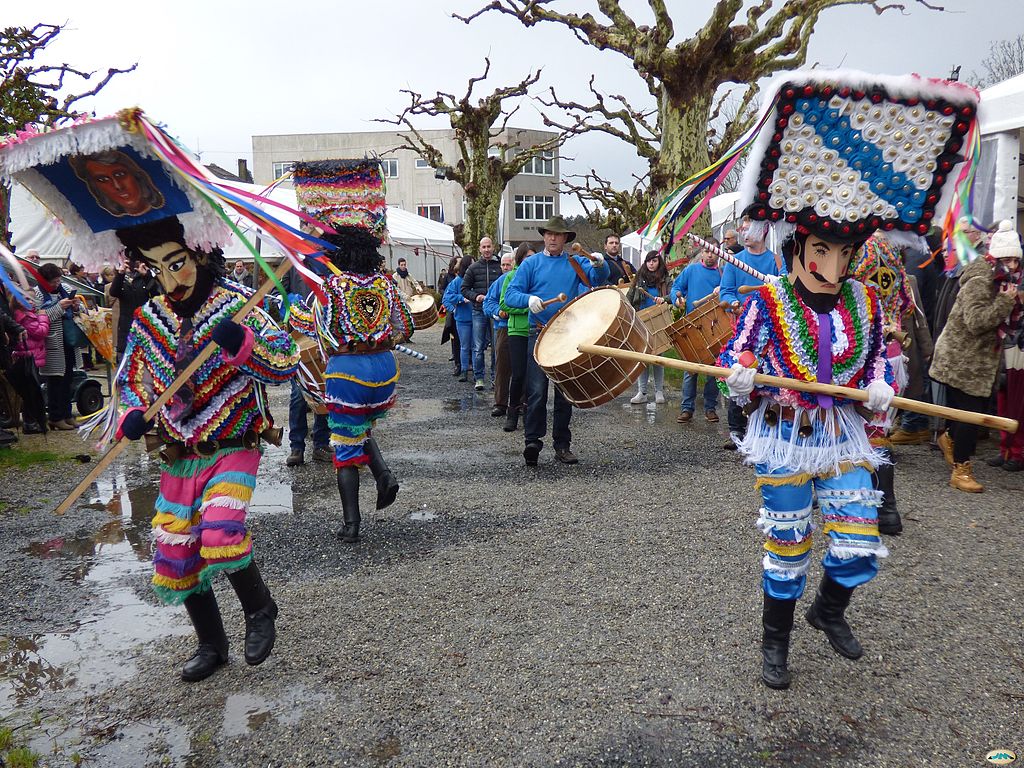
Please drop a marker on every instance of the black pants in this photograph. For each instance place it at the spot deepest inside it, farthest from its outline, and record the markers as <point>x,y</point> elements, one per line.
<point>965,436</point>
<point>456,347</point>
<point>737,419</point>
<point>517,357</point>
<point>58,388</point>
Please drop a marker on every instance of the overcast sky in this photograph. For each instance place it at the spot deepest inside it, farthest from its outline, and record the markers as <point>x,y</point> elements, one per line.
<point>217,73</point>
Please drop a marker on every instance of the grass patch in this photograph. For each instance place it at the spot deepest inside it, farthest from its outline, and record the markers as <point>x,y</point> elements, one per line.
<point>6,738</point>
<point>22,758</point>
<point>19,459</point>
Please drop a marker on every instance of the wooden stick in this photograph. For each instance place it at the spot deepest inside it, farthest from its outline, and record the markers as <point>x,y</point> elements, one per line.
<point>204,354</point>
<point>743,290</point>
<point>850,393</point>
<point>549,302</point>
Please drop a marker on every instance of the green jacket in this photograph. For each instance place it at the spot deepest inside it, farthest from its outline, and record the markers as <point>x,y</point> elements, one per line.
<point>518,319</point>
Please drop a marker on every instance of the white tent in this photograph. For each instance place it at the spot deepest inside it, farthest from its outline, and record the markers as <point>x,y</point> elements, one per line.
<point>426,244</point>
<point>724,211</point>
<point>999,192</point>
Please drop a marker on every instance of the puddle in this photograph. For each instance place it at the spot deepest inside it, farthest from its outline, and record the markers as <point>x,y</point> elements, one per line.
<point>423,515</point>
<point>163,742</point>
<point>248,712</point>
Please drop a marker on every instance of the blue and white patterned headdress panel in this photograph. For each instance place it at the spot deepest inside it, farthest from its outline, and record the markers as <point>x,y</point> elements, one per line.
<point>846,153</point>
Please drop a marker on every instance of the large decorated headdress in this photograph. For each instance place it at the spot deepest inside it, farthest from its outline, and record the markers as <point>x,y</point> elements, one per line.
<point>880,264</point>
<point>100,175</point>
<point>343,193</point>
<point>846,153</point>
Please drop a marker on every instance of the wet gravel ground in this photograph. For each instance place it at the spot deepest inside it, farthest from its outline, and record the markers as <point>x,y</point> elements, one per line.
<point>606,614</point>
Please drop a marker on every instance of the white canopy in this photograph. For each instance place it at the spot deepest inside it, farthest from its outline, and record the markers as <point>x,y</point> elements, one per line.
<point>1002,106</point>
<point>426,244</point>
<point>999,186</point>
<point>723,211</point>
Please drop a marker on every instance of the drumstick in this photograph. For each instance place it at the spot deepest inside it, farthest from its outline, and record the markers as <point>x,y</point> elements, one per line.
<point>815,387</point>
<point>410,352</point>
<point>549,302</point>
<point>183,377</point>
<point>724,255</point>
<point>743,290</point>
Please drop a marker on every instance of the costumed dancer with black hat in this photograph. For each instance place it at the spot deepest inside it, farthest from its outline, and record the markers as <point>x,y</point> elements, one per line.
<point>122,195</point>
<point>843,154</point>
<point>357,321</point>
<point>541,277</point>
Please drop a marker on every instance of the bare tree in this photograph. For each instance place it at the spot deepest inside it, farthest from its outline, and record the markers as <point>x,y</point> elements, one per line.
<point>488,157</point>
<point>33,92</point>
<point>1005,60</point>
<point>684,76</point>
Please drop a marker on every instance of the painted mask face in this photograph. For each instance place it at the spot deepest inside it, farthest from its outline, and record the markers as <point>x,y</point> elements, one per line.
<point>174,266</point>
<point>116,184</point>
<point>820,266</point>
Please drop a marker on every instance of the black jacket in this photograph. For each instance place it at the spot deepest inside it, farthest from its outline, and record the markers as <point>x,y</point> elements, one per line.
<point>10,330</point>
<point>132,293</point>
<point>618,269</point>
<point>478,279</point>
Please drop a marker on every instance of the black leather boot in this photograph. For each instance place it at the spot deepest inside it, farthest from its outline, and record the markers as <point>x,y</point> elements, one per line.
<point>348,487</point>
<point>826,614</point>
<point>777,618</point>
<point>260,611</point>
<point>889,521</point>
<point>387,485</point>
<point>213,642</point>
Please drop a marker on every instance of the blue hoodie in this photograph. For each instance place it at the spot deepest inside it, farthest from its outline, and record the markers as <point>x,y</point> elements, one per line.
<point>734,277</point>
<point>491,300</point>
<point>694,283</point>
<point>456,303</point>
<point>546,276</point>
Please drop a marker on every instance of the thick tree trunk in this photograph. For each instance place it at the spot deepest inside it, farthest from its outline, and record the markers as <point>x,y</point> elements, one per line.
<point>483,201</point>
<point>684,146</point>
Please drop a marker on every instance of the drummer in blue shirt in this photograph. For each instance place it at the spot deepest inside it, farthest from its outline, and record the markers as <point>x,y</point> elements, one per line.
<point>543,276</point>
<point>760,258</point>
<point>700,279</point>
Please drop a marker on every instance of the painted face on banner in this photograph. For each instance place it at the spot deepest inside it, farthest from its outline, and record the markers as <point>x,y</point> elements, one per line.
<point>174,267</point>
<point>821,266</point>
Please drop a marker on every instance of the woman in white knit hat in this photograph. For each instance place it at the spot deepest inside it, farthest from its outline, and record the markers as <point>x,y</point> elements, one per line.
<point>987,310</point>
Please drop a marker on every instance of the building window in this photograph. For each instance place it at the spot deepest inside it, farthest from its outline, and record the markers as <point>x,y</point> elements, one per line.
<point>389,165</point>
<point>280,169</point>
<point>540,165</point>
<point>433,211</point>
<point>422,165</point>
<point>534,207</point>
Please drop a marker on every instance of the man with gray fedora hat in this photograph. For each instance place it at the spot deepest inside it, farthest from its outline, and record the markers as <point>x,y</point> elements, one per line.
<point>543,276</point>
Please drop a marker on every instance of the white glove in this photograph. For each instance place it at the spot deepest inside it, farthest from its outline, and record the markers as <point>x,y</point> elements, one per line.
<point>771,279</point>
<point>536,305</point>
<point>740,381</point>
<point>880,396</point>
<point>597,259</point>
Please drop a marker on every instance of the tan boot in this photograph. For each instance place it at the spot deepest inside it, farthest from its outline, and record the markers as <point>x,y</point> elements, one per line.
<point>946,446</point>
<point>963,479</point>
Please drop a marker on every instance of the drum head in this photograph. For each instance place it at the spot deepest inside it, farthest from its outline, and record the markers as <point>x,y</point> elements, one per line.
<point>421,302</point>
<point>584,320</point>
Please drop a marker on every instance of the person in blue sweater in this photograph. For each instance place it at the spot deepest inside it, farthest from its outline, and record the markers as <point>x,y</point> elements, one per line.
<point>502,366</point>
<point>760,258</point>
<point>543,276</point>
<point>650,287</point>
<point>462,310</point>
<point>700,279</point>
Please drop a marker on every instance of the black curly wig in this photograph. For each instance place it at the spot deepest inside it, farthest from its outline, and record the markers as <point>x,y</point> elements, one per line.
<point>355,250</point>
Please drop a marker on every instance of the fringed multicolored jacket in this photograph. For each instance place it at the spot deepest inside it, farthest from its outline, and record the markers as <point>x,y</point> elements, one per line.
<point>360,309</point>
<point>782,333</point>
<point>228,393</point>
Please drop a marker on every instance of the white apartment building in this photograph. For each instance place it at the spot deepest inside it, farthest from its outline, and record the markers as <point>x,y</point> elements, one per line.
<point>530,199</point>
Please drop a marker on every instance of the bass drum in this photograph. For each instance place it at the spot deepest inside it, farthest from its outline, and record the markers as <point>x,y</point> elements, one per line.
<point>601,316</point>
<point>424,311</point>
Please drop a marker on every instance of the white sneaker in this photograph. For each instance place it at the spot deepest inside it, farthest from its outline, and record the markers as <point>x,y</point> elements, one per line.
<point>639,398</point>
<point>659,398</point>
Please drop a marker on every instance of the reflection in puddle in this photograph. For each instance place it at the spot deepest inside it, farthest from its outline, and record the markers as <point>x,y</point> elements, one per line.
<point>248,712</point>
<point>163,742</point>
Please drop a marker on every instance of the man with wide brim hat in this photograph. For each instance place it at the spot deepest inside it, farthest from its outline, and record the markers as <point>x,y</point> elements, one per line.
<point>545,275</point>
<point>557,225</point>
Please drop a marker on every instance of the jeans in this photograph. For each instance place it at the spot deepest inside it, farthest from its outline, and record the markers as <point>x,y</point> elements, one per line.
<point>737,419</point>
<point>689,401</point>
<point>918,422</point>
<point>482,337</point>
<point>298,425</point>
<point>659,378</point>
<point>535,425</point>
<point>517,354</point>
<point>465,329</point>
<point>58,389</point>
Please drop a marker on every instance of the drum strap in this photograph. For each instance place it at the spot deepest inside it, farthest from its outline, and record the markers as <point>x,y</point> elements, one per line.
<point>579,271</point>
